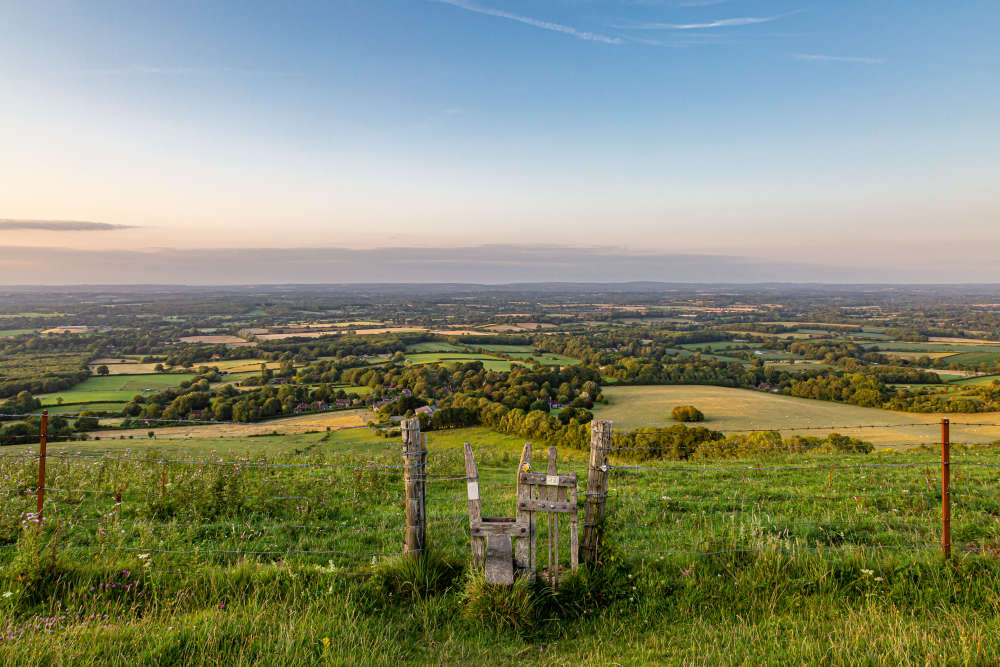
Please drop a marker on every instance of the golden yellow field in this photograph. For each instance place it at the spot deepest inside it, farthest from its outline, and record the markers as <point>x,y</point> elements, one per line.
<point>729,409</point>
<point>300,424</point>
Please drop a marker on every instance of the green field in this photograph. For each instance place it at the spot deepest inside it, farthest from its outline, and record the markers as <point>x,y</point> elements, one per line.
<point>980,380</point>
<point>748,561</point>
<point>6,333</point>
<point>434,352</point>
<point>508,349</point>
<point>729,409</point>
<point>72,409</point>
<point>40,365</point>
<point>982,355</point>
<point>435,346</point>
<point>115,388</point>
<point>490,363</point>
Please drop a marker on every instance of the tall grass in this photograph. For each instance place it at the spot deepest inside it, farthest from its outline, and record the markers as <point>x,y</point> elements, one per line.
<point>729,563</point>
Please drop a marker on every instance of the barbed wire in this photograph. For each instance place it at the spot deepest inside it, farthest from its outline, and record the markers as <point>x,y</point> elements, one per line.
<point>839,547</point>
<point>764,429</point>
<point>832,466</point>
<point>323,552</point>
<point>241,464</point>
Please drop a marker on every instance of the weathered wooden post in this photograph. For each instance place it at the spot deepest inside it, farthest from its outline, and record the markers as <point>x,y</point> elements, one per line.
<point>524,547</point>
<point>597,490</point>
<point>946,487</point>
<point>415,481</point>
<point>42,445</point>
<point>475,506</point>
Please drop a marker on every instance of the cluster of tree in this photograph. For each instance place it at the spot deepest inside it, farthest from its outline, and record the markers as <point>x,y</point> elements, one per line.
<point>855,388</point>
<point>28,430</point>
<point>22,403</point>
<point>189,355</point>
<point>687,413</point>
<point>982,398</point>
<point>679,442</point>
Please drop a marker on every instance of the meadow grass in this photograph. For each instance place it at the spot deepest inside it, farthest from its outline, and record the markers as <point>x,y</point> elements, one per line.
<point>778,558</point>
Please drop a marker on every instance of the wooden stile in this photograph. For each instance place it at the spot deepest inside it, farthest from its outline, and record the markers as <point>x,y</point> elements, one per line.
<point>492,536</point>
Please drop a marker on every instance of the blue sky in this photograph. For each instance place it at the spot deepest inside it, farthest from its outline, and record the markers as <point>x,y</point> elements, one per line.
<point>855,134</point>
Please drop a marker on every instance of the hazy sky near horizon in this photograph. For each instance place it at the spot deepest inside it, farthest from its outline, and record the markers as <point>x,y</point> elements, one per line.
<point>850,134</point>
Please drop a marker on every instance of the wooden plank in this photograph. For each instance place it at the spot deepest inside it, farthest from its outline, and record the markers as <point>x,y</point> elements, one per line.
<point>543,479</point>
<point>524,547</point>
<point>552,493</point>
<point>511,529</point>
<point>574,537</point>
<point>543,505</point>
<point>499,564</point>
<point>475,505</point>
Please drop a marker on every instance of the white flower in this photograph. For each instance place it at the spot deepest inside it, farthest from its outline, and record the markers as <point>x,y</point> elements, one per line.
<point>8,594</point>
<point>143,556</point>
<point>867,573</point>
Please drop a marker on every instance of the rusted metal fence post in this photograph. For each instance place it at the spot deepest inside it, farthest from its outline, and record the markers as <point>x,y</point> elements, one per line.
<point>946,487</point>
<point>42,444</point>
<point>415,481</point>
<point>597,490</point>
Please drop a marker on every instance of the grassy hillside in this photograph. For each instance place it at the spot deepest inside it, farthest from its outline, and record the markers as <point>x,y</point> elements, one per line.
<point>795,560</point>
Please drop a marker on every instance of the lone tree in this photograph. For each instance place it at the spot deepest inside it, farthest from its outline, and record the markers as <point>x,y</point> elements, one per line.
<point>102,370</point>
<point>687,413</point>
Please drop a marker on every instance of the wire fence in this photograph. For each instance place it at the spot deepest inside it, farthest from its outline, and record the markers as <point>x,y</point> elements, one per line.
<point>350,509</point>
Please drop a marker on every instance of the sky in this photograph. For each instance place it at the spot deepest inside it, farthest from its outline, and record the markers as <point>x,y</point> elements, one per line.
<point>497,140</point>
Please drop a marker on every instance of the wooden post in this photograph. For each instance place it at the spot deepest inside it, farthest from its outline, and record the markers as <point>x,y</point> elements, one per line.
<point>524,547</point>
<point>42,445</point>
<point>597,490</point>
<point>415,481</point>
<point>946,487</point>
<point>475,506</point>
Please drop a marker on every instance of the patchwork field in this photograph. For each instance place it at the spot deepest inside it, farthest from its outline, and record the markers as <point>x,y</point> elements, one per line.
<point>337,419</point>
<point>212,339</point>
<point>115,389</point>
<point>729,409</point>
<point>6,333</point>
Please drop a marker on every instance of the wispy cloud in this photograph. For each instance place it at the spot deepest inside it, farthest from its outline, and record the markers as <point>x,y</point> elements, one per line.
<point>537,23</point>
<point>817,57</point>
<point>718,23</point>
<point>9,224</point>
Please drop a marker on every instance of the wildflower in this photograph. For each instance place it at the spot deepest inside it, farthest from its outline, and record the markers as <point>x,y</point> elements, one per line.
<point>8,594</point>
<point>326,642</point>
<point>143,556</point>
<point>526,467</point>
<point>879,579</point>
<point>867,573</point>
